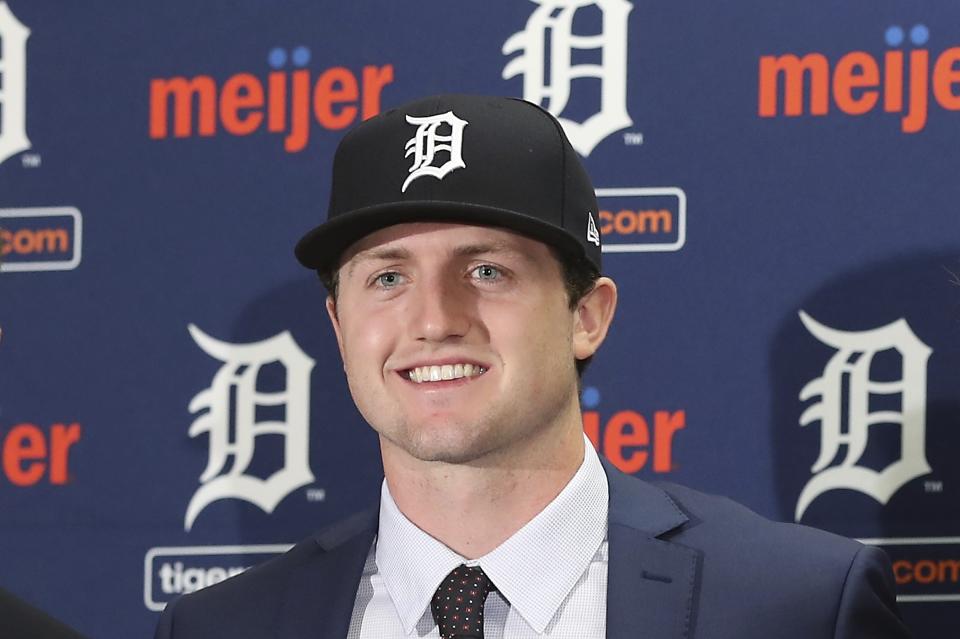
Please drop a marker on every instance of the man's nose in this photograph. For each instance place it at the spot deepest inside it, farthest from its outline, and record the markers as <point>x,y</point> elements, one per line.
<point>441,309</point>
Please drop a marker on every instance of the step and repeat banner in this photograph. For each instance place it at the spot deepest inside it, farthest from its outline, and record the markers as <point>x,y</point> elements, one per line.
<point>779,206</point>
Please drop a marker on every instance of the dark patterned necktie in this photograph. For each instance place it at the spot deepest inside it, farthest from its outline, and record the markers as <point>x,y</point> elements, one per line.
<point>457,606</point>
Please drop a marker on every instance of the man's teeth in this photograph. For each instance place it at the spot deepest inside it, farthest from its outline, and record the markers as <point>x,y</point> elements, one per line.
<point>441,373</point>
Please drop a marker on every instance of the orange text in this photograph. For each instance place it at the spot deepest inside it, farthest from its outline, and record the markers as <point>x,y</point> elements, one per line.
<point>859,82</point>
<point>30,241</point>
<point>927,571</point>
<point>30,454</point>
<point>627,222</point>
<point>625,439</point>
<point>284,103</point>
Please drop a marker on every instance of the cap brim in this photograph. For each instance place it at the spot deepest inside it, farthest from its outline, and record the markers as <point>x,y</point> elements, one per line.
<point>321,248</point>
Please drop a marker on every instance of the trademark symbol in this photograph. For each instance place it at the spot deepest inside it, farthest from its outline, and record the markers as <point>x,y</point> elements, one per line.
<point>30,160</point>
<point>316,494</point>
<point>632,138</point>
<point>933,486</point>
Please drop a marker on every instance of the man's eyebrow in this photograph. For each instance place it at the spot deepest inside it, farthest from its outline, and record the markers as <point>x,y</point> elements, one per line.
<point>480,248</point>
<point>379,253</point>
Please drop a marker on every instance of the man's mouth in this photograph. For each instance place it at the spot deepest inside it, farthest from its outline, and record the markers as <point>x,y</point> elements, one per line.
<point>425,374</point>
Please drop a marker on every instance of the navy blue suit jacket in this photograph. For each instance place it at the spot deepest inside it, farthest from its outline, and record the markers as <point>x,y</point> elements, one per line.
<point>682,565</point>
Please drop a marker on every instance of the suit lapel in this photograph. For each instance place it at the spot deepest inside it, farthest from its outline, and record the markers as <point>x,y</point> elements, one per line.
<point>651,583</point>
<point>319,597</point>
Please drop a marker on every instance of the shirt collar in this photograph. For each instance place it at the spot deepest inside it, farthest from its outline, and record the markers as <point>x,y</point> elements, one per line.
<point>535,569</point>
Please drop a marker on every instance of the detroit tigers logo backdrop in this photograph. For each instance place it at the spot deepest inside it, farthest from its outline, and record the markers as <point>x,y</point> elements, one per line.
<point>777,201</point>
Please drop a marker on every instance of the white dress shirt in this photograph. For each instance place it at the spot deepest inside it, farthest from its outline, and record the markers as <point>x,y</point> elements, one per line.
<point>551,575</point>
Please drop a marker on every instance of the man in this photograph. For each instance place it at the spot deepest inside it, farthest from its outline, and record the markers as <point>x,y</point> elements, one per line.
<point>462,259</point>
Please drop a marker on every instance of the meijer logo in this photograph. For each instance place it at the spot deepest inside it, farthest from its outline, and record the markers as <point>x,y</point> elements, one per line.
<point>626,437</point>
<point>284,102</point>
<point>897,81</point>
<point>13,84</point>
<point>844,410</point>
<point>548,43</point>
<point>31,454</point>
<point>228,415</point>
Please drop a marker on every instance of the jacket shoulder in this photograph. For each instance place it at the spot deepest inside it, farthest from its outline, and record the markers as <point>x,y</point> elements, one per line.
<point>783,575</point>
<point>713,519</point>
<point>246,601</point>
<point>249,604</point>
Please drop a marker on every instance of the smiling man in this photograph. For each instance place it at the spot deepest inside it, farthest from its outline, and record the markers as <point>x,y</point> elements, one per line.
<point>475,410</point>
<point>462,261</point>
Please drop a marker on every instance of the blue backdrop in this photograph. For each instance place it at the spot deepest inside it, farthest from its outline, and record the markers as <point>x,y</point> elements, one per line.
<point>779,209</point>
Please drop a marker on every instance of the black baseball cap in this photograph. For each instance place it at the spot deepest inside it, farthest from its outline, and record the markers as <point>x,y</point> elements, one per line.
<point>464,158</point>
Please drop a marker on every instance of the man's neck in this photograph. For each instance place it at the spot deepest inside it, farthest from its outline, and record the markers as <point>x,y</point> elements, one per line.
<point>473,508</point>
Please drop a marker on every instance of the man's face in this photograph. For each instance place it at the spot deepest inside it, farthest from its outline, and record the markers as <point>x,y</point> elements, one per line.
<point>483,309</point>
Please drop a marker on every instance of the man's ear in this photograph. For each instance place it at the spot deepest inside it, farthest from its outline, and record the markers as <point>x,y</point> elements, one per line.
<point>592,318</point>
<point>335,322</point>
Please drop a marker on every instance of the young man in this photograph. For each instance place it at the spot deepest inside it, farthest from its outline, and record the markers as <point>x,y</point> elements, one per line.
<point>462,259</point>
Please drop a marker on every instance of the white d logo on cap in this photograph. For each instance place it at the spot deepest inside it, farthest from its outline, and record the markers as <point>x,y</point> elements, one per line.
<point>426,143</point>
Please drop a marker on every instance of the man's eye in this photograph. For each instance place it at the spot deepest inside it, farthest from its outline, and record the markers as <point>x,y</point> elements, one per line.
<point>487,272</point>
<point>389,279</point>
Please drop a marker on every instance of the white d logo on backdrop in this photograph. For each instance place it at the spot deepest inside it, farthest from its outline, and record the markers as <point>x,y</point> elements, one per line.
<point>844,391</point>
<point>548,36</point>
<point>233,391</point>
<point>13,84</point>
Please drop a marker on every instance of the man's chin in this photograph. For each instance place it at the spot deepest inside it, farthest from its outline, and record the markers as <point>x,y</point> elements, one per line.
<point>449,445</point>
